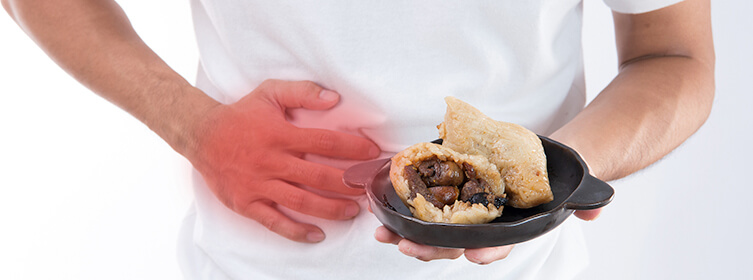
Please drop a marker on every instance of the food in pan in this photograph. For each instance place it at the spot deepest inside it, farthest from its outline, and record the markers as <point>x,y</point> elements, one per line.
<point>515,150</point>
<point>481,166</point>
<point>441,185</point>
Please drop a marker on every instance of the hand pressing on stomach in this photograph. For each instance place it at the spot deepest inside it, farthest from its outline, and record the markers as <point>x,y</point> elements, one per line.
<point>251,157</point>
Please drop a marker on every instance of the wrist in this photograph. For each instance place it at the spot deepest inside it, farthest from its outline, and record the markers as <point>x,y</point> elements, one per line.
<point>179,122</point>
<point>580,145</point>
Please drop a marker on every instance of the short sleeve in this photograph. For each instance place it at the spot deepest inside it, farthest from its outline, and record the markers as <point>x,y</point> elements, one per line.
<point>638,6</point>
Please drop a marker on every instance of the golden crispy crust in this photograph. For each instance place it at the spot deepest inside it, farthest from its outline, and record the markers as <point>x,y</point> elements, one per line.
<point>459,212</point>
<point>515,150</point>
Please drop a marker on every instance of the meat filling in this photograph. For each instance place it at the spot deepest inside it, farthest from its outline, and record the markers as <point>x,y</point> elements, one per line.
<point>444,182</point>
<point>440,173</point>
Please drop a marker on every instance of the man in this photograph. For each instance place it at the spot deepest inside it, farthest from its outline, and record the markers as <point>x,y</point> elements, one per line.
<point>356,80</point>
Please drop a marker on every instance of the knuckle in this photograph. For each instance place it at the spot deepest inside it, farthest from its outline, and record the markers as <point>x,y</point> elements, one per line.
<point>268,83</point>
<point>265,88</point>
<point>310,87</point>
<point>296,173</point>
<point>263,164</point>
<point>294,201</point>
<point>238,204</point>
<point>325,142</point>
<point>256,160</point>
<point>333,211</point>
<point>270,222</point>
<point>315,177</point>
<point>270,136</point>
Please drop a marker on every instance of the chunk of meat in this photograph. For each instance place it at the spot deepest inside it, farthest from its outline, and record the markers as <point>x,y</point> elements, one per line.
<point>470,188</point>
<point>440,173</point>
<point>426,167</point>
<point>417,186</point>
<point>470,172</point>
<point>445,195</point>
<point>415,183</point>
<point>444,182</point>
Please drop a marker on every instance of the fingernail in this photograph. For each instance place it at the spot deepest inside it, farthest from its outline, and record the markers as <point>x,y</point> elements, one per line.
<point>409,253</point>
<point>315,236</point>
<point>328,95</point>
<point>352,210</point>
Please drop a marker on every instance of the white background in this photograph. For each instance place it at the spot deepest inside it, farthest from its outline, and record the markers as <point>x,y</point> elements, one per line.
<point>87,192</point>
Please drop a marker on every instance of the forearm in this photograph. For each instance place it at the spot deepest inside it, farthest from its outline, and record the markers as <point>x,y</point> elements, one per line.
<point>650,108</point>
<point>662,94</point>
<point>95,43</point>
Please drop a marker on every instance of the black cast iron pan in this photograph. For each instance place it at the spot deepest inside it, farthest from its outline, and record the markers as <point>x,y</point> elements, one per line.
<point>573,188</point>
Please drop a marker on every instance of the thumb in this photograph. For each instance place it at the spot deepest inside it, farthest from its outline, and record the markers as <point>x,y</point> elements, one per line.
<point>299,94</point>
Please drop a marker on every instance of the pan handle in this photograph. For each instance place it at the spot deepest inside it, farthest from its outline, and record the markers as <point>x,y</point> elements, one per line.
<point>591,194</point>
<point>361,175</point>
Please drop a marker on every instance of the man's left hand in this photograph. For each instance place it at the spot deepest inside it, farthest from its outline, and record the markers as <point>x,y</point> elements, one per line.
<point>479,256</point>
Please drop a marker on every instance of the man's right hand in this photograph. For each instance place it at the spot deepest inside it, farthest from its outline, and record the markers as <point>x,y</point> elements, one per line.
<point>251,158</point>
<point>247,152</point>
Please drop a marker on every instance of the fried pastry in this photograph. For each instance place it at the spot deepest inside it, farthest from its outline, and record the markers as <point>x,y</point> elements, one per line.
<point>441,185</point>
<point>514,150</point>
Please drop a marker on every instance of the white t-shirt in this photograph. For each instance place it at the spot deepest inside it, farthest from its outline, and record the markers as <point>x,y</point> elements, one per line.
<point>392,62</point>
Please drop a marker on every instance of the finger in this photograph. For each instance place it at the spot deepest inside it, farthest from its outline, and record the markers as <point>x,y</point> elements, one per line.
<point>332,144</point>
<point>384,235</point>
<point>299,94</point>
<point>306,202</point>
<point>588,215</point>
<point>427,253</point>
<point>278,223</point>
<point>315,175</point>
<point>488,255</point>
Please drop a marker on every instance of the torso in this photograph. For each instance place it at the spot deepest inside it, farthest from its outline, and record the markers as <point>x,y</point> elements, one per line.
<point>392,63</point>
